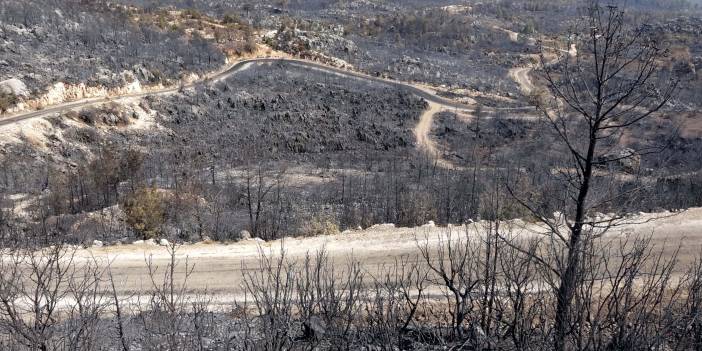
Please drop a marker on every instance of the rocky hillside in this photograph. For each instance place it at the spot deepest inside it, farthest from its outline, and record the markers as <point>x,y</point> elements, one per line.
<point>58,50</point>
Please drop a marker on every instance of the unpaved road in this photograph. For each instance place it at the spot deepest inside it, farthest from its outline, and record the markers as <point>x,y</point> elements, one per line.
<point>513,36</point>
<point>423,128</point>
<point>219,270</point>
<point>233,69</point>
<point>424,142</point>
<point>521,76</point>
<point>421,131</point>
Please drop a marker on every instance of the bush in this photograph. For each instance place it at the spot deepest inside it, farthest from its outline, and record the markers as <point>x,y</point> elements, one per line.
<point>231,18</point>
<point>191,13</point>
<point>145,212</point>
<point>319,225</point>
<point>7,101</point>
<point>89,116</point>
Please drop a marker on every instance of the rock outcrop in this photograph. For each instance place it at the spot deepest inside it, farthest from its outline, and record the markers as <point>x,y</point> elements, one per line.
<point>14,87</point>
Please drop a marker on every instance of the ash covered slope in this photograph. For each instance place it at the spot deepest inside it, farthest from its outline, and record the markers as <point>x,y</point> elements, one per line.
<point>43,42</point>
<point>267,112</point>
<point>281,109</point>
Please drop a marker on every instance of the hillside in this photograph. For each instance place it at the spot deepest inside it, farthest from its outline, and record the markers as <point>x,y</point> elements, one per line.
<point>350,174</point>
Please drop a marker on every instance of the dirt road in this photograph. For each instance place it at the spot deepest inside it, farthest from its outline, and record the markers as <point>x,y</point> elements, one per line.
<point>521,76</point>
<point>232,70</point>
<point>219,268</point>
<point>422,130</point>
<point>425,143</point>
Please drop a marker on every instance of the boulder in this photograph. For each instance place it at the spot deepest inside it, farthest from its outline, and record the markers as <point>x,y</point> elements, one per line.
<point>411,61</point>
<point>98,243</point>
<point>164,242</point>
<point>15,87</point>
<point>382,226</point>
<point>244,235</point>
<point>142,73</point>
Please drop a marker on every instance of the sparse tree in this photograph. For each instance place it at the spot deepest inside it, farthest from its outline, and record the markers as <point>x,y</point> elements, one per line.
<point>609,86</point>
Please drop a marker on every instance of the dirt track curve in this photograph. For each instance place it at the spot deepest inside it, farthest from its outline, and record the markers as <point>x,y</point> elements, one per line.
<point>239,66</point>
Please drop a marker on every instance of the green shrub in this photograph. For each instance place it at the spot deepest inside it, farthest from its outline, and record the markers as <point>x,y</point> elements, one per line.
<point>145,212</point>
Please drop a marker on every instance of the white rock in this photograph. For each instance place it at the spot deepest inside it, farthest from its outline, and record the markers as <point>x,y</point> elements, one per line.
<point>430,224</point>
<point>98,243</point>
<point>558,216</point>
<point>14,86</point>
<point>259,240</point>
<point>142,73</point>
<point>164,242</point>
<point>382,226</point>
<point>151,242</point>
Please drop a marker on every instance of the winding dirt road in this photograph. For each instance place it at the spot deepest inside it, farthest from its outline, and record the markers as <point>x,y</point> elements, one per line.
<point>233,69</point>
<point>421,131</point>
<point>521,76</point>
<point>424,141</point>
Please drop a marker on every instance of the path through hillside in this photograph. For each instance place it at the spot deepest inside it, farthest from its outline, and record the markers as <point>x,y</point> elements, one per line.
<point>422,130</point>
<point>521,76</point>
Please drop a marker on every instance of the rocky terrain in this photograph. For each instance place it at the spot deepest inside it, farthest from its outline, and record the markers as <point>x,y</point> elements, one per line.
<point>266,113</point>
<point>287,111</point>
<point>357,174</point>
<point>467,47</point>
<point>324,134</point>
<point>51,52</point>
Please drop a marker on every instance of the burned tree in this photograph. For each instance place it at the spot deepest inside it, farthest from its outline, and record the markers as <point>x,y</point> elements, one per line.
<point>612,83</point>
